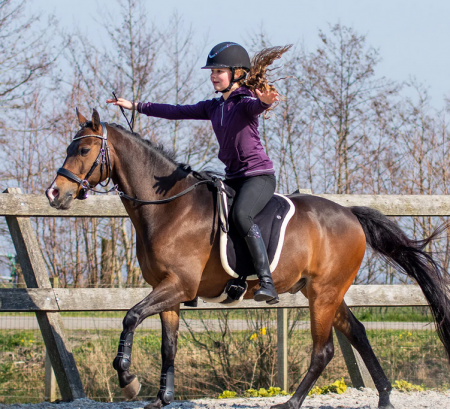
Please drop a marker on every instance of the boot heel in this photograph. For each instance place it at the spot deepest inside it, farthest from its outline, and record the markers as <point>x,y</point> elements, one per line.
<point>262,297</point>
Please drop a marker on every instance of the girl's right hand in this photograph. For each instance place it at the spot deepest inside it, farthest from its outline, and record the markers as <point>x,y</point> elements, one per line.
<point>122,102</point>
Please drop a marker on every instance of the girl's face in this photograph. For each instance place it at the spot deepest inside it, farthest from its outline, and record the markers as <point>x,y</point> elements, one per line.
<point>220,78</point>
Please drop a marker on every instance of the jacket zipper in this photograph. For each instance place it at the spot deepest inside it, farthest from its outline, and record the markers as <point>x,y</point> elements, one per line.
<point>221,119</point>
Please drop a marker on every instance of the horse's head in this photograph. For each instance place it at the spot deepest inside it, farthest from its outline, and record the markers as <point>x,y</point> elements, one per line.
<point>86,165</point>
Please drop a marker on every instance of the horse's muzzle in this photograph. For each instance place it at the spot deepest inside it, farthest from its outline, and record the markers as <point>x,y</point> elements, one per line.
<point>58,201</point>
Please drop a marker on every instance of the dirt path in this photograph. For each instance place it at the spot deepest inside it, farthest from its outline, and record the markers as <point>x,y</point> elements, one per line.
<point>351,399</point>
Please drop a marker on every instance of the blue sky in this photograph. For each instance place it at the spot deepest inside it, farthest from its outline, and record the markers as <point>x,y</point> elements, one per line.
<point>412,35</point>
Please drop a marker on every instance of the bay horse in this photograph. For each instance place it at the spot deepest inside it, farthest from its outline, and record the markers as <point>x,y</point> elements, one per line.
<point>177,245</point>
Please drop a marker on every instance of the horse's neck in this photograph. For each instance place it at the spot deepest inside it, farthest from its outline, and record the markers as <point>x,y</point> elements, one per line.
<point>144,173</point>
<point>135,166</point>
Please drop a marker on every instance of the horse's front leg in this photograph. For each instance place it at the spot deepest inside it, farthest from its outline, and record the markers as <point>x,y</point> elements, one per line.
<point>168,293</point>
<point>170,320</point>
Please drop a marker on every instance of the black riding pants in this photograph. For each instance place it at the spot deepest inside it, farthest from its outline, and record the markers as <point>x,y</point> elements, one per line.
<point>252,195</point>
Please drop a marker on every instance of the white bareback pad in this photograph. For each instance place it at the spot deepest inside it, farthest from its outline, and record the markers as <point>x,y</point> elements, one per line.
<point>223,214</point>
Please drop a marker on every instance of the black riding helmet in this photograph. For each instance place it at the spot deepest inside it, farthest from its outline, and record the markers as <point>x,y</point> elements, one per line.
<point>229,55</point>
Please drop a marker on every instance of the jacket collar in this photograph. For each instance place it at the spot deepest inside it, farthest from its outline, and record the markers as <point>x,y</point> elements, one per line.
<point>238,92</point>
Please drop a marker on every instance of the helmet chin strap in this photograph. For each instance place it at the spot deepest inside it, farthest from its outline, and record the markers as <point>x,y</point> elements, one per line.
<point>233,80</point>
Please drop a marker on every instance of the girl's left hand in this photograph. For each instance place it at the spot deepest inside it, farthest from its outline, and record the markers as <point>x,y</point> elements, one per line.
<point>268,97</point>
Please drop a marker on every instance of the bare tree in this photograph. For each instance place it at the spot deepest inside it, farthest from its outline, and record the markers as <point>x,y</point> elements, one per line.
<point>339,79</point>
<point>26,52</point>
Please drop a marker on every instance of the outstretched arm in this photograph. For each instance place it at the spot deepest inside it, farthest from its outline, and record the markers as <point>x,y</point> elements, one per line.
<point>167,111</point>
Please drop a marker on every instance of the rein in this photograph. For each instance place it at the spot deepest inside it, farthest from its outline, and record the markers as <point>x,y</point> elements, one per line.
<point>133,112</point>
<point>162,201</point>
<point>104,159</point>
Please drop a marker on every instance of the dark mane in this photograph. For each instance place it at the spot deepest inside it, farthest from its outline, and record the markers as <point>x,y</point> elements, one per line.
<point>169,154</point>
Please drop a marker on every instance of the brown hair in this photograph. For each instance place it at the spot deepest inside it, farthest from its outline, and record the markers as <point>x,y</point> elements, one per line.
<point>256,78</point>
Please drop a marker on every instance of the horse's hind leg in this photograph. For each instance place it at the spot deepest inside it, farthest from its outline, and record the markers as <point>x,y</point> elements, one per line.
<point>322,309</point>
<point>170,320</point>
<point>355,332</point>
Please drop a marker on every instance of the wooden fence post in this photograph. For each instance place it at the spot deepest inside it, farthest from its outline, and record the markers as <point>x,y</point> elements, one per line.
<point>359,374</point>
<point>50,323</point>
<point>50,379</point>
<point>282,349</point>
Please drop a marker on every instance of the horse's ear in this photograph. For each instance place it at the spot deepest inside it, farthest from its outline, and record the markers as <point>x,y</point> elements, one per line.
<point>81,119</point>
<point>95,120</point>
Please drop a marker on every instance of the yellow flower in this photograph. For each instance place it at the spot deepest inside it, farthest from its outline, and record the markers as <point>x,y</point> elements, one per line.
<point>404,386</point>
<point>253,337</point>
<point>227,395</point>
<point>336,387</point>
<point>263,331</point>
<point>251,393</point>
<point>315,391</point>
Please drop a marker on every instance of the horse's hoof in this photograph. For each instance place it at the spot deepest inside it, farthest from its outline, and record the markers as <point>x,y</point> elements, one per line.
<point>384,402</point>
<point>132,389</point>
<point>156,404</point>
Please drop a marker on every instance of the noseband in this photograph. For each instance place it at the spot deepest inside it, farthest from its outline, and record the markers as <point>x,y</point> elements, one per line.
<point>103,158</point>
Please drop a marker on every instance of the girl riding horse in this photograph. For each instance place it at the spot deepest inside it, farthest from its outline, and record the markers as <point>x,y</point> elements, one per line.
<point>234,117</point>
<point>323,248</point>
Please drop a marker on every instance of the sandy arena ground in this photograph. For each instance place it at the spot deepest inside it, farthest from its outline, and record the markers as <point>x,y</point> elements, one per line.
<point>351,399</point>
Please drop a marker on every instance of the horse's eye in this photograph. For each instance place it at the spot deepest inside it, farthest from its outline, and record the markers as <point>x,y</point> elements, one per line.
<point>84,151</point>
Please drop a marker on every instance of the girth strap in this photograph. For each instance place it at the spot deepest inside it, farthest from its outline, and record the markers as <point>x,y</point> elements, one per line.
<point>222,204</point>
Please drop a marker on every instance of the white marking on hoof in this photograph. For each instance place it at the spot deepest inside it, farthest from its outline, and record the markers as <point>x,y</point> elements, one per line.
<point>132,389</point>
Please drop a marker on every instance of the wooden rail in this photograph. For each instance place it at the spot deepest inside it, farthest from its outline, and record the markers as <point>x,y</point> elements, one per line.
<point>110,206</point>
<point>48,302</point>
<point>122,299</point>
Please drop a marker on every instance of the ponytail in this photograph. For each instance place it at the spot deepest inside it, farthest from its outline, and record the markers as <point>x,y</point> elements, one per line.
<point>256,78</point>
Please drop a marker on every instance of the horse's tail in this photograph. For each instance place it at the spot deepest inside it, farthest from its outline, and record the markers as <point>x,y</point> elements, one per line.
<point>387,239</point>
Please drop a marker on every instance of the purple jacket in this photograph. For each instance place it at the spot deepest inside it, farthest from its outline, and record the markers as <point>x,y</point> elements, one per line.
<point>235,123</point>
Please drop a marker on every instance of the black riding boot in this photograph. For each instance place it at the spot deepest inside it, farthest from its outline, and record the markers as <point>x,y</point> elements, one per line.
<point>258,251</point>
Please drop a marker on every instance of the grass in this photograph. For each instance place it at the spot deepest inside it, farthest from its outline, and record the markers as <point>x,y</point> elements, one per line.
<point>389,314</point>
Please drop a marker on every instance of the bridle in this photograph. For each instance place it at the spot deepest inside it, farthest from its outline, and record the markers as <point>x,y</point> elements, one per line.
<point>103,158</point>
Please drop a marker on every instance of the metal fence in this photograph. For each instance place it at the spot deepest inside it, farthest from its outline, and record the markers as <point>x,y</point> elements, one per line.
<point>218,350</point>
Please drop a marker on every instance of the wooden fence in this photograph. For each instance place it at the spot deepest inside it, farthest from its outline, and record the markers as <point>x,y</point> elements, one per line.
<point>47,302</point>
